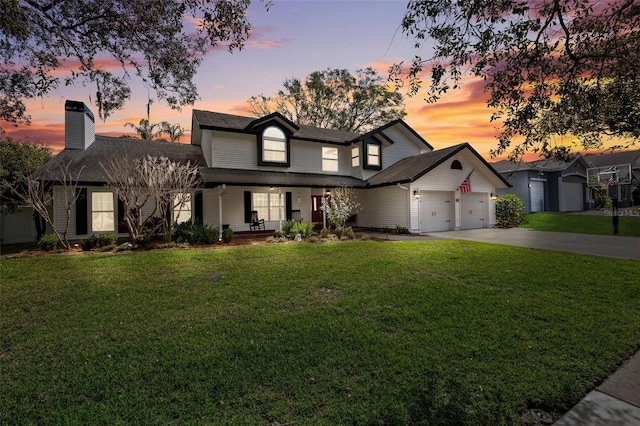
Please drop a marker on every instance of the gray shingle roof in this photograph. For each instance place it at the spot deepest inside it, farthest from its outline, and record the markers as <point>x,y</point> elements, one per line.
<point>220,121</point>
<point>261,178</point>
<point>86,163</point>
<point>614,159</point>
<point>546,165</point>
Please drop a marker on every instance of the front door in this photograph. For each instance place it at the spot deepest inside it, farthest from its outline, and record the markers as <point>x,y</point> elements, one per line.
<point>316,213</point>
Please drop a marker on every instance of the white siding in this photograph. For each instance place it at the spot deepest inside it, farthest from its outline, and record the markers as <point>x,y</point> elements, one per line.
<point>402,148</point>
<point>383,207</point>
<point>233,150</point>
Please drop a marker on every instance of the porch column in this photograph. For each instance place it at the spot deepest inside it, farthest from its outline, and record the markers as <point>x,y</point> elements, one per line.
<point>221,189</point>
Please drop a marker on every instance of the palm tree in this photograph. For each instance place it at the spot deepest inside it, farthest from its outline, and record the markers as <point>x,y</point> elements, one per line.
<point>145,129</point>
<point>173,131</point>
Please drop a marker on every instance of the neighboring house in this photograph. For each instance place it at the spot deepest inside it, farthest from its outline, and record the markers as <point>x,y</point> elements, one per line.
<point>276,167</point>
<point>547,185</point>
<point>624,193</point>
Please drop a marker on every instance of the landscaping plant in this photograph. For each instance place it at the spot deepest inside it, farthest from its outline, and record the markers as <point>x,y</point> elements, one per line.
<point>509,211</point>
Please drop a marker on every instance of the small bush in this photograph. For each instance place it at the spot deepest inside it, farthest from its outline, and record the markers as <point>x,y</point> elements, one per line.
<point>348,233</point>
<point>324,233</point>
<point>364,237</point>
<point>142,241</point>
<point>339,232</point>
<point>194,233</point>
<point>313,239</point>
<point>509,211</point>
<point>279,233</point>
<point>227,235</point>
<point>402,229</point>
<point>89,243</point>
<point>210,235</point>
<point>303,228</point>
<point>109,247</point>
<point>105,240</point>
<point>48,242</point>
<point>288,228</point>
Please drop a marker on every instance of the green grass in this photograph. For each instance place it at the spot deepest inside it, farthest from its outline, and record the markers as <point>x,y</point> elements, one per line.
<point>445,332</point>
<point>628,225</point>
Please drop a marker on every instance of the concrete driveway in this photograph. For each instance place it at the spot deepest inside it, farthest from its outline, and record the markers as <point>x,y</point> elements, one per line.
<point>597,245</point>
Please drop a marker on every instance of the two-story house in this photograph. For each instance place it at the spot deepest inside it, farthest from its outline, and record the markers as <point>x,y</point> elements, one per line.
<point>276,167</point>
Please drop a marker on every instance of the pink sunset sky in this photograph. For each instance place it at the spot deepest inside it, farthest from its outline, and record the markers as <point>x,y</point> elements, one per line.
<point>292,39</point>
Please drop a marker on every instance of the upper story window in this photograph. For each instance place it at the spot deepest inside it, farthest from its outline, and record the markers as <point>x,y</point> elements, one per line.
<point>372,156</point>
<point>355,156</point>
<point>456,165</point>
<point>102,212</point>
<point>274,147</point>
<point>329,159</point>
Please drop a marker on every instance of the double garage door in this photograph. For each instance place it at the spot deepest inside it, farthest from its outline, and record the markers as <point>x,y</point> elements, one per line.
<point>437,211</point>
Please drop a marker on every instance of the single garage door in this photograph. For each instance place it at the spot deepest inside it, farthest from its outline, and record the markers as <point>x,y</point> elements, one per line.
<point>573,196</point>
<point>436,211</point>
<point>472,210</point>
<point>537,195</point>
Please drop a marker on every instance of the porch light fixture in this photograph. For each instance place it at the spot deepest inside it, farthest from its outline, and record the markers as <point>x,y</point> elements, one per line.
<point>328,192</point>
<point>493,196</point>
<point>416,194</point>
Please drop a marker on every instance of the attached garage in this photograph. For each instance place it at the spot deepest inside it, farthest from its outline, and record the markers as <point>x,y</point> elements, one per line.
<point>572,197</point>
<point>473,210</point>
<point>436,211</point>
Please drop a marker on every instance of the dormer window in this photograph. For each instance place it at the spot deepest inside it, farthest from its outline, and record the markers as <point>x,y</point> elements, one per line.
<point>372,156</point>
<point>455,165</point>
<point>274,147</point>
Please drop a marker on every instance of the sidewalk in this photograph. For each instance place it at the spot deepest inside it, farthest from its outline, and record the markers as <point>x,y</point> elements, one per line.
<point>617,400</point>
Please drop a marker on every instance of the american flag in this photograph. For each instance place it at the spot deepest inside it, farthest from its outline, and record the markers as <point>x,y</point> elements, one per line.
<point>465,186</point>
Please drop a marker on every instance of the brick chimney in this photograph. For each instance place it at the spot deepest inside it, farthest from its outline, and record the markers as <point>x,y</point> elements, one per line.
<point>79,125</point>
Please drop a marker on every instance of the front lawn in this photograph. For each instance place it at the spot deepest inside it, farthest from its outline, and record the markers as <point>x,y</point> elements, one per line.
<point>444,332</point>
<point>628,223</point>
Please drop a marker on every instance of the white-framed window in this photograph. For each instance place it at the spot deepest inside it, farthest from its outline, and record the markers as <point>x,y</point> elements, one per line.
<point>269,205</point>
<point>355,156</point>
<point>102,212</point>
<point>329,159</point>
<point>373,155</point>
<point>182,207</point>
<point>274,145</point>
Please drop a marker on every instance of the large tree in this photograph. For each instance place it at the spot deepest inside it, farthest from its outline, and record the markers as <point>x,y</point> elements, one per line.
<point>18,159</point>
<point>551,67</point>
<point>335,99</point>
<point>46,43</point>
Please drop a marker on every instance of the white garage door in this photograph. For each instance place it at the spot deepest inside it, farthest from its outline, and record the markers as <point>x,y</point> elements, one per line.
<point>472,210</point>
<point>436,211</point>
<point>573,195</point>
<point>537,196</point>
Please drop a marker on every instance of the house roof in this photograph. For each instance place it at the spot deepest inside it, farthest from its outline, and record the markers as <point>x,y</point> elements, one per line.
<point>219,176</point>
<point>544,165</point>
<point>614,159</point>
<point>228,122</point>
<point>412,168</point>
<point>85,165</point>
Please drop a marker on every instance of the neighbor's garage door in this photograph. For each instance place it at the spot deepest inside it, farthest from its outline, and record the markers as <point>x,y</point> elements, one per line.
<point>436,211</point>
<point>472,210</point>
<point>573,194</point>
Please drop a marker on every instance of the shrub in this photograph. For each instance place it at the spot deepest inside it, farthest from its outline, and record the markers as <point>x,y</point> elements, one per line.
<point>324,233</point>
<point>48,242</point>
<point>109,247</point>
<point>89,243</point>
<point>313,239</point>
<point>142,241</point>
<point>194,233</point>
<point>210,235</point>
<point>279,233</point>
<point>303,228</point>
<point>364,237</point>
<point>509,211</point>
<point>288,228</point>
<point>402,229</point>
<point>105,240</point>
<point>227,235</point>
<point>339,231</point>
<point>348,233</point>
